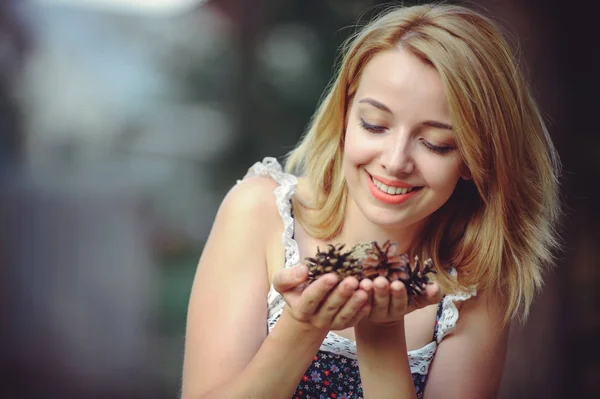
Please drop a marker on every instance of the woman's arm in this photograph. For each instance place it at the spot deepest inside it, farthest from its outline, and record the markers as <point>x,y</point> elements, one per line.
<point>383,362</point>
<point>381,342</point>
<point>277,367</point>
<point>469,362</point>
<point>227,351</point>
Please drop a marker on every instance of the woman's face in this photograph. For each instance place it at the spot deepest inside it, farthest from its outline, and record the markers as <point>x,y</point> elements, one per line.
<point>401,163</point>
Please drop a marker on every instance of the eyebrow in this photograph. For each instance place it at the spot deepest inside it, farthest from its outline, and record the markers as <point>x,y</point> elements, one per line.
<point>384,108</point>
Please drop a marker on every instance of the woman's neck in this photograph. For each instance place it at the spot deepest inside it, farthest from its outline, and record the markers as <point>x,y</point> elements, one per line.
<point>357,228</point>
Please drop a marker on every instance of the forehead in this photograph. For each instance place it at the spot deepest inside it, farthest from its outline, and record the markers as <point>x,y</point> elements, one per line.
<point>399,78</point>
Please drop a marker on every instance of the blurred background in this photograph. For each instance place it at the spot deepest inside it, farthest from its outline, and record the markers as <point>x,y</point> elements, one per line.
<point>124,123</point>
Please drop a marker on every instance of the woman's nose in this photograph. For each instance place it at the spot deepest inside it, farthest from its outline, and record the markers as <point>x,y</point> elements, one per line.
<point>396,157</point>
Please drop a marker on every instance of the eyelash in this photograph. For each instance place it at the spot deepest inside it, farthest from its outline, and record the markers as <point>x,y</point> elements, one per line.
<point>437,148</point>
<point>371,128</point>
<point>380,129</point>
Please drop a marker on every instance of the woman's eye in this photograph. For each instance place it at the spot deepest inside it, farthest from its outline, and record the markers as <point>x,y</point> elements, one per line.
<point>437,148</point>
<point>371,128</point>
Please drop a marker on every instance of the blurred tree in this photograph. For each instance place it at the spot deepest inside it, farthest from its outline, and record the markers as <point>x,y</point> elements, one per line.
<point>15,42</point>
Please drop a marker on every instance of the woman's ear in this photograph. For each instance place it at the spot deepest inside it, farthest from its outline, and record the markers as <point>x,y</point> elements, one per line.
<point>465,173</point>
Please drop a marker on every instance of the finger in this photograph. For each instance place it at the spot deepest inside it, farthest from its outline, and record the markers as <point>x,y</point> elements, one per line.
<point>289,278</point>
<point>434,292</point>
<point>381,298</point>
<point>431,295</point>
<point>338,297</point>
<point>349,311</point>
<point>362,313</point>
<point>314,294</point>
<point>366,285</point>
<point>399,300</point>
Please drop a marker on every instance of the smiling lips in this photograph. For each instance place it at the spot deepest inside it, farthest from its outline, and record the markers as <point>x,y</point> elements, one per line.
<point>391,192</point>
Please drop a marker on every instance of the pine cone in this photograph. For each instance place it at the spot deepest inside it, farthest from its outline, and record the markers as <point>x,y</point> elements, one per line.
<point>417,279</point>
<point>334,260</point>
<point>369,260</point>
<point>385,261</point>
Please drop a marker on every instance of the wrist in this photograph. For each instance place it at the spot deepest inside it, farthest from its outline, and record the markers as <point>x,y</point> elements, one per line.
<point>306,330</point>
<point>383,360</point>
<point>380,333</point>
<point>369,326</point>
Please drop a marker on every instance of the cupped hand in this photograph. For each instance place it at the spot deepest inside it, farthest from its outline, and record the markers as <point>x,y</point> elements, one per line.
<point>325,304</point>
<point>390,303</point>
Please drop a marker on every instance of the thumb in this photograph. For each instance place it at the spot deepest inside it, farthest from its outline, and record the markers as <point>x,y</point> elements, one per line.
<point>434,293</point>
<point>289,278</point>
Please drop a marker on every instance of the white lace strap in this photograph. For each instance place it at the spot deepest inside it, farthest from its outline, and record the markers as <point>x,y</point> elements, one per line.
<point>270,167</point>
<point>449,316</point>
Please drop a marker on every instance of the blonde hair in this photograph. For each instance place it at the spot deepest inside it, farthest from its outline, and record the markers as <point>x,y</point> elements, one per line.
<point>497,230</point>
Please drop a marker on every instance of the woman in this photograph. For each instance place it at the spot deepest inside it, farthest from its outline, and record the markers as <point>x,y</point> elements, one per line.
<point>428,137</point>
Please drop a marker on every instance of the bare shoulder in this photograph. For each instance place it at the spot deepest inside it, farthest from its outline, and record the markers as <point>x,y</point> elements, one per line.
<point>485,307</point>
<point>478,344</point>
<point>253,197</point>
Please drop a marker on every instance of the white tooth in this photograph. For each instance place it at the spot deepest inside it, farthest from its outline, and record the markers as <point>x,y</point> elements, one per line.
<point>389,189</point>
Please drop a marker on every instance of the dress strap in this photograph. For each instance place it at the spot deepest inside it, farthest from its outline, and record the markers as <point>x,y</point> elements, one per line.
<point>438,315</point>
<point>287,183</point>
<point>447,315</point>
